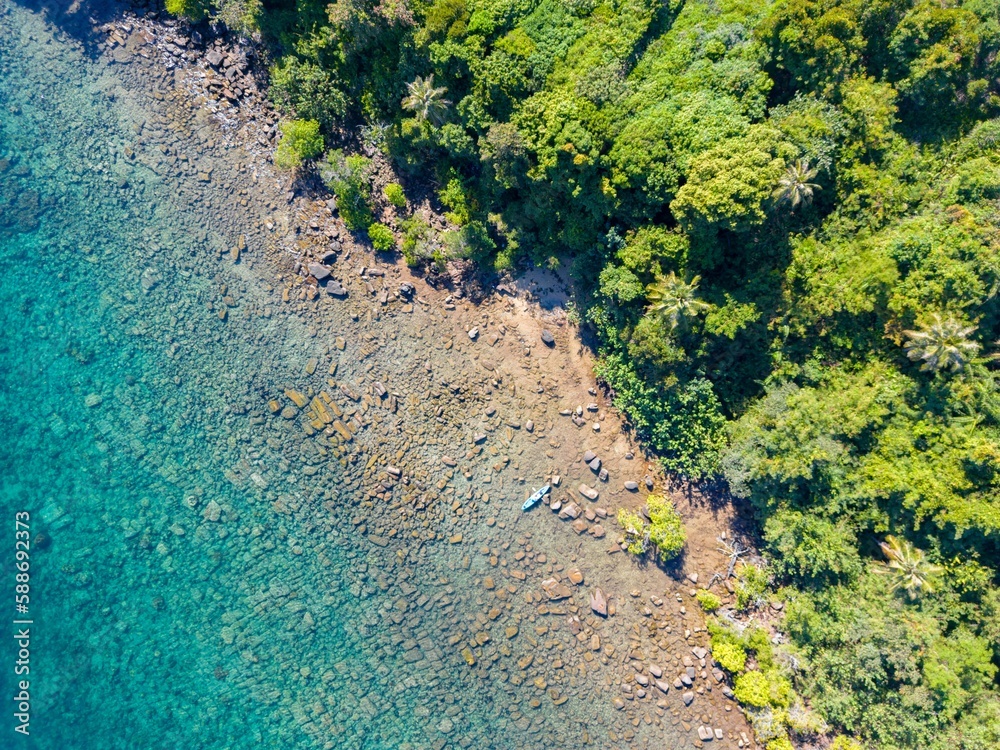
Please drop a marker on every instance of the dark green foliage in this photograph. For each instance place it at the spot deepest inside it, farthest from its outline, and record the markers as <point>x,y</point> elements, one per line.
<point>684,423</point>
<point>811,549</point>
<point>348,178</point>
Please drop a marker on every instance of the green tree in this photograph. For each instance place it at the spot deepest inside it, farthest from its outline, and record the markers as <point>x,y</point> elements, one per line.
<point>794,187</point>
<point>907,567</point>
<point>942,345</point>
<point>674,299</point>
<point>425,101</point>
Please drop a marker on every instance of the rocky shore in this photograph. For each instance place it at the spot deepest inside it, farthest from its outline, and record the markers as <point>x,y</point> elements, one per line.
<point>415,424</point>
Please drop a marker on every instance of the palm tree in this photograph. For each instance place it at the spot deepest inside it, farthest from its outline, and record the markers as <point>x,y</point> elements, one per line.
<point>674,299</point>
<point>425,101</point>
<point>794,186</point>
<point>908,567</point>
<point>942,345</point>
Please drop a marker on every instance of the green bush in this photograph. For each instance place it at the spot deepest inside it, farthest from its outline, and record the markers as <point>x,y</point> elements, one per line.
<point>708,601</point>
<point>635,531</point>
<point>780,743</point>
<point>193,10</point>
<point>348,177</point>
<point>753,689</point>
<point>730,656</point>
<point>381,237</point>
<point>417,242</point>
<point>842,742</point>
<point>395,195</point>
<point>666,529</point>
<point>752,583</point>
<point>300,140</point>
<point>455,198</point>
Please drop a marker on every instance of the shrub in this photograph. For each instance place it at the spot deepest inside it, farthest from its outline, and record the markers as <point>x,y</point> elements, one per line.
<point>300,140</point>
<point>730,656</point>
<point>843,742</point>
<point>348,178</point>
<point>751,587</point>
<point>780,743</point>
<point>193,10</point>
<point>666,528</point>
<point>395,195</point>
<point>454,197</point>
<point>635,531</point>
<point>753,689</point>
<point>381,237</point>
<point>417,236</point>
<point>708,601</point>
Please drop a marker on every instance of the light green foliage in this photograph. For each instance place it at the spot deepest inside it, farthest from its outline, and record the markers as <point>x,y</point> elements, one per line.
<point>239,15</point>
<point>729,186</point>
<point>634,528</point>
<point>666,529</point>
<point>942,345</point>
<point>907,567</point>
<point>780,743</point>
<point>675,300</point>
<point>381,237</point>
<point>193,10</point>
<point>395,195</point>
<point>242,16</point>
<point>453,196</point>
<point>730,656</point>
<point>843,742</point>
<point>417,242</point>
<point>426,101</point>
<point>753,689</point>
<point>300,140</point>
<point>708,601</point>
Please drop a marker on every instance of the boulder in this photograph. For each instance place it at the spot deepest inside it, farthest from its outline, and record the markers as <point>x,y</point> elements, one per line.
<point>319,272</point>
<point>599,603</point>
<point>569,511</point>
<point>547,338</point>
<point>589,492</point>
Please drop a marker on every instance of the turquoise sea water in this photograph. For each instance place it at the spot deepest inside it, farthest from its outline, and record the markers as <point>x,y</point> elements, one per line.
<point>207,573</point>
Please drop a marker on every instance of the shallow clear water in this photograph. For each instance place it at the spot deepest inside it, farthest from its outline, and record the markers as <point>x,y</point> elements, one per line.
<point>207,573</point>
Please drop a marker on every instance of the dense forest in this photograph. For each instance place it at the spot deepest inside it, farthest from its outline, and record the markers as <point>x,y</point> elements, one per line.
<point>783,219</point>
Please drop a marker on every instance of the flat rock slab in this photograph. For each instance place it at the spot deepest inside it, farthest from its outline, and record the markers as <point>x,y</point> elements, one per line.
<point>555,590</point>
<point>589,492</point>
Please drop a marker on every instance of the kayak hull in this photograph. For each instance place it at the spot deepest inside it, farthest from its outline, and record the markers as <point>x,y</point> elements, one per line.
<point>535,497</point>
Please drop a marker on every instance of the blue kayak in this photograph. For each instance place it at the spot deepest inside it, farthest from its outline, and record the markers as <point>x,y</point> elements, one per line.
<point>535,497</point>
